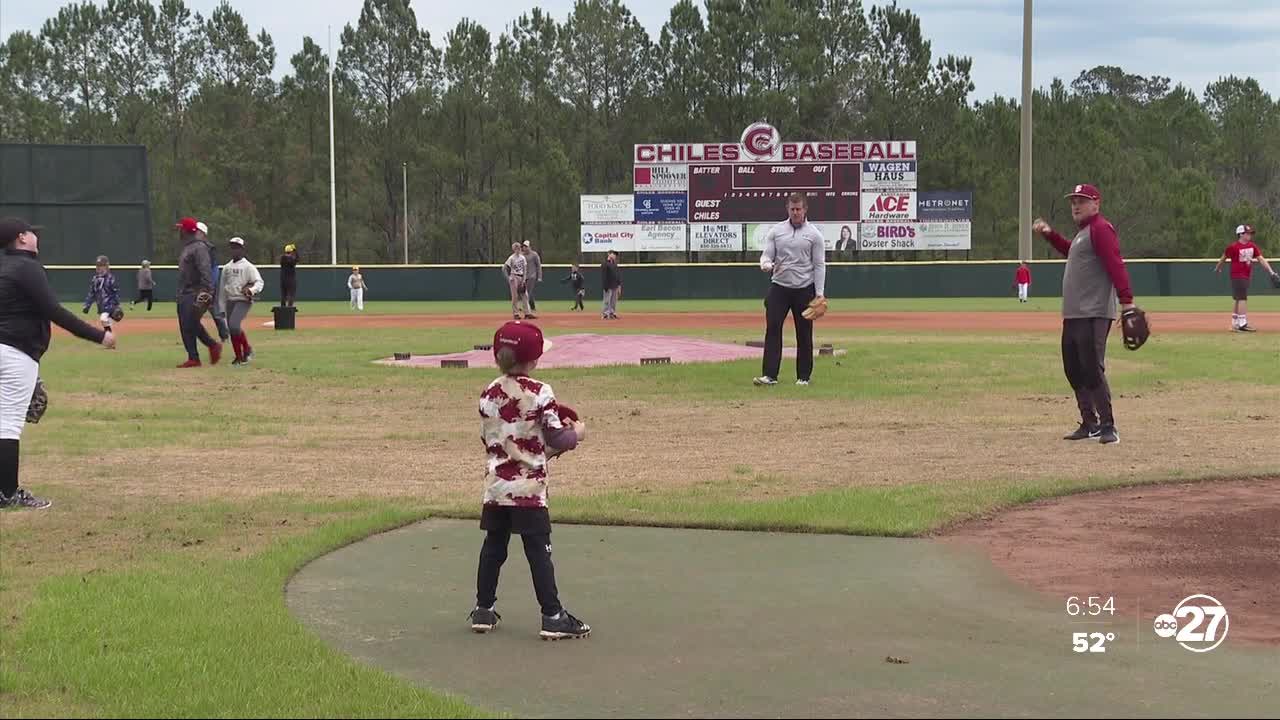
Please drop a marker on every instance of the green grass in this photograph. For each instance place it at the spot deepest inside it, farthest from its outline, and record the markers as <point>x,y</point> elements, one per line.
<point>178,617</point>
<point>903,511</point>
<point>1263,301</point>
<point>137,380</point>
<point>173,638</point>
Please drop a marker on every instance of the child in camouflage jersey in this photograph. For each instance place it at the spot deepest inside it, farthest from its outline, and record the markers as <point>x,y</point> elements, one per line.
<point>522,427</point>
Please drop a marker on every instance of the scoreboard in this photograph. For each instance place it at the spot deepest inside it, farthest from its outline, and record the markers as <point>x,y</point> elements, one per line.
<point>752,192</point>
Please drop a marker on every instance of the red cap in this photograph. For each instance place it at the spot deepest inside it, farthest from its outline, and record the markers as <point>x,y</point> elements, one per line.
<point>187,224</point>
<point>525,338</point>
<point>1085,191</point>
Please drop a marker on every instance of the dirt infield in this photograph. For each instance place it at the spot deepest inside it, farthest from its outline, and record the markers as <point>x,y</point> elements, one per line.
<point>1174,322</point>
<point>1149,547</point>
<point>592,350</point>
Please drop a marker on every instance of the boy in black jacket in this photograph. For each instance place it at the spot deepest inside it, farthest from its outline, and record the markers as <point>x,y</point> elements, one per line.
<point>579,286</point>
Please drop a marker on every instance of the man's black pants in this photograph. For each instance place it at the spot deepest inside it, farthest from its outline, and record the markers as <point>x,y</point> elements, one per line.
<point>1084,352</point>
<point>777,304</point>
<point>190,326</point>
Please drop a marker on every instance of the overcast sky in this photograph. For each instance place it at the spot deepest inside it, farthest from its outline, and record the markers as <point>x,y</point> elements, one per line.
<point>1191,41</point>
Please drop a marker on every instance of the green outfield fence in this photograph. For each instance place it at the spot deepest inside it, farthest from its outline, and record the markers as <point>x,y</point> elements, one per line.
<point>680,281</point>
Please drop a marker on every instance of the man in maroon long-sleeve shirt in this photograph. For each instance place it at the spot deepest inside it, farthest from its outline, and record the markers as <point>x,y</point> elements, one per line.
<point>1094,279</point>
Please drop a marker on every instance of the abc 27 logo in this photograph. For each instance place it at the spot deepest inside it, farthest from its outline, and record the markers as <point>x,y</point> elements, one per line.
<point>1199,623</point>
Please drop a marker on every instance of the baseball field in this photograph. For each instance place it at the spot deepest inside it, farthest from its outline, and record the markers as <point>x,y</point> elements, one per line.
<point>206,550</point>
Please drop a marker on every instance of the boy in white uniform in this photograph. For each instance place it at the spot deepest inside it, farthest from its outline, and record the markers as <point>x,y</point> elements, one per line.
<point>356,284</point>
<point>240,283</point>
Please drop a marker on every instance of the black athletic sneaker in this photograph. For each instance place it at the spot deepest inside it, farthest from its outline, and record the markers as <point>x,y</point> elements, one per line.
<point>482,621</point>
<point>1108,435</point>
<point>565,626</point>
<point>23,499</point>
<point>1084,432</point>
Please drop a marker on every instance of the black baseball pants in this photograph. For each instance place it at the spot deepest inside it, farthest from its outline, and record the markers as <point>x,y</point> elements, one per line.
<point>537,549</point>
<point>780,301</point>
<point>1084,353</point>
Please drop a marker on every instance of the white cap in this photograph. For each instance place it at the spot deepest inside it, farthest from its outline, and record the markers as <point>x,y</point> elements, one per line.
<point>1242,229</point>
<point>526,243</point>
<point>237,241</point>
<point>202,228</point>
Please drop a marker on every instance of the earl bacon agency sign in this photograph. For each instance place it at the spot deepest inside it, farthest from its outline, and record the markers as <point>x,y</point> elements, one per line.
<point>761,142</point>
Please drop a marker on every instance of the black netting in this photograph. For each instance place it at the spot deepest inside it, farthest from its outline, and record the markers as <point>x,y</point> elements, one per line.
<point>91,199</point>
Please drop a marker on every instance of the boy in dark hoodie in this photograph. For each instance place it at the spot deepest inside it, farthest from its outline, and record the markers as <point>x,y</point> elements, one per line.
<point>579,286</point>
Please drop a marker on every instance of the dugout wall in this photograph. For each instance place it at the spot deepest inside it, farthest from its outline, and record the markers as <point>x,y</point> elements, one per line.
<point>91,199</point>
<point>679,281</point>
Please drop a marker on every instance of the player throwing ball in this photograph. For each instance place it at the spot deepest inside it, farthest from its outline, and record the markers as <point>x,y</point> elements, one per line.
<point>1242,254</point>
<point>1094,279</point>
<point>795,257</point>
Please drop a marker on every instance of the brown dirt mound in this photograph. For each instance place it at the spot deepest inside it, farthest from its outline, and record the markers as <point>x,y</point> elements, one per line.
<point>1149,547</point>
<point>593,350</point>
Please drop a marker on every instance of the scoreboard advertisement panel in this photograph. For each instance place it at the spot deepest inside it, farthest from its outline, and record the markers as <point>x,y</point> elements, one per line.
<point>757,192</point>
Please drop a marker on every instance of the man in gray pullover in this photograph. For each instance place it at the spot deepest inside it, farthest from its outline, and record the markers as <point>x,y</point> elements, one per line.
<point>533,276</point>
<point>795,256</point>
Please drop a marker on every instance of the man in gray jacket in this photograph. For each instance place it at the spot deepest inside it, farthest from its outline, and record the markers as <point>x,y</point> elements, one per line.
<point>1094,281</point>
<point>146,285</point>
<point>195,283</point>
<point>533,273</point>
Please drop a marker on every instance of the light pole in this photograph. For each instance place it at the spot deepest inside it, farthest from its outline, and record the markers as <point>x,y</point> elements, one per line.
<point>404,167</point>
<point>333,185</point>
<point>1024,171</point>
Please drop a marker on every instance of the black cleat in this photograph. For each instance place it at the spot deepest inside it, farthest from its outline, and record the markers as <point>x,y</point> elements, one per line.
<point>565,626</point>
<point>483,621</point>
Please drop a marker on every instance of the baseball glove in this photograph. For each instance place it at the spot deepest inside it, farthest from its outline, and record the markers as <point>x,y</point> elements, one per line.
<point>1275,280</point>
<point>39,403</point>
<point>817,308</point>
<point>117,315</point>
<point>568,416</point>
<point>203,300</point>
<point>1136,329</point>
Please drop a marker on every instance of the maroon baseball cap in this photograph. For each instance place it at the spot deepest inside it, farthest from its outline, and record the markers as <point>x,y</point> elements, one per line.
<point>525,338</point>
<point>1085,191</point>
<point>187,225</point>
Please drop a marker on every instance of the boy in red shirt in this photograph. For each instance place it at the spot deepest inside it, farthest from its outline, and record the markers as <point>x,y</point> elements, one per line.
<point>1023,278</point>
<point>1242,253</point>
